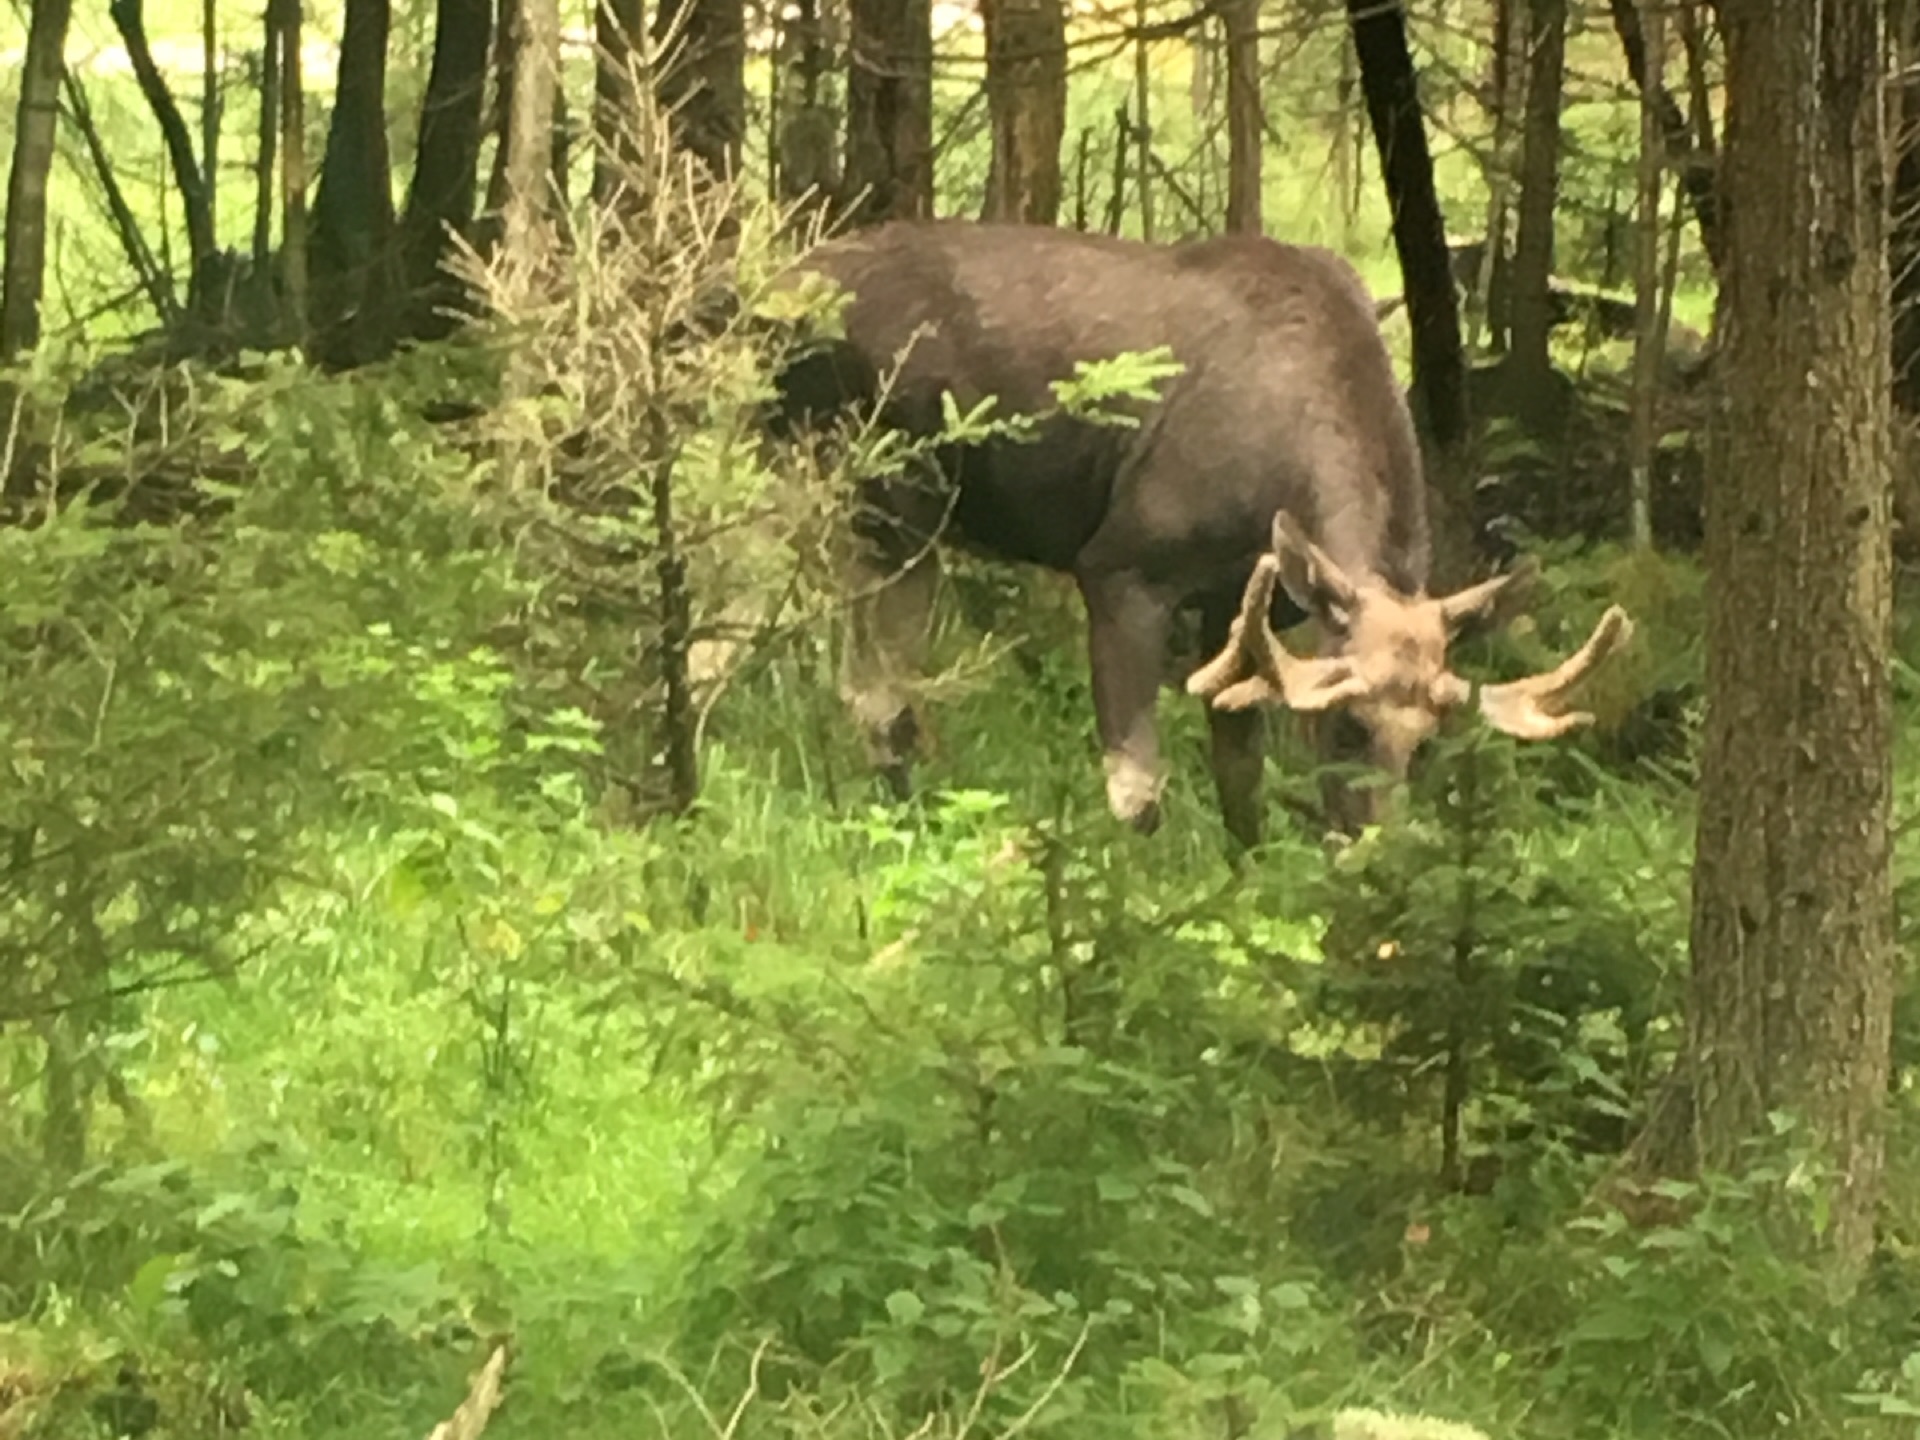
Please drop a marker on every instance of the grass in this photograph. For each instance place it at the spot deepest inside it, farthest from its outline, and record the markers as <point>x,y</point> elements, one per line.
<point>493,1090</point>
<point>364,1037</point>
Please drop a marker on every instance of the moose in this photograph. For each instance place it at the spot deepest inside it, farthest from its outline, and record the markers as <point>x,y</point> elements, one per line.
<point>1275,478</point>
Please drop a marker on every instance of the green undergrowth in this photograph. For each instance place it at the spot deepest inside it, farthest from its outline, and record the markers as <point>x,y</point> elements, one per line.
<point>365,1007</point>
<point>982,1115</point>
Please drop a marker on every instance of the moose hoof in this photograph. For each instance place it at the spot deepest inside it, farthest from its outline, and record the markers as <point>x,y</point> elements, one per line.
<point>1133,794</point>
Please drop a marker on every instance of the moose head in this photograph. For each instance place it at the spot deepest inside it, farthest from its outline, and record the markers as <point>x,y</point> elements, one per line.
<point>1384,667</point>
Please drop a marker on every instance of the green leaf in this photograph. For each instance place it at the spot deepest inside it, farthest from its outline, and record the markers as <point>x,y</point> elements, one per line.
<point>1619,1322</point>
<point>905,1307</point>
<point>149,1284</point>
<point>1290,1295</point>
<point>1192,1199</point>
<point>1716,1350</point>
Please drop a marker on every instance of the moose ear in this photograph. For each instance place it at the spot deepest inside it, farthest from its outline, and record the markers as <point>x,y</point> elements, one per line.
<point>1495,603</point>
<point>1311,579</point>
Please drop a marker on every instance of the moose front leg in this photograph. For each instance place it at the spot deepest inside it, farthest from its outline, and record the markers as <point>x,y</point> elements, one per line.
<point>1127,628</point>
<point>1238,757</point>
<point>892,569</point>
<point>889,618</point>
<point>1237,750</point>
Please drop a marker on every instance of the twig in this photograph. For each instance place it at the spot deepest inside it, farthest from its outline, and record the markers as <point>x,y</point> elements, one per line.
<point>1028,1415</point>
<point>750,1395</point>
<point>483,1398</point>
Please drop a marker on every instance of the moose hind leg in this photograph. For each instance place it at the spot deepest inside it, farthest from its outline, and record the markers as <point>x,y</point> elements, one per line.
<point>1237,755</point>
<point>889,618</point>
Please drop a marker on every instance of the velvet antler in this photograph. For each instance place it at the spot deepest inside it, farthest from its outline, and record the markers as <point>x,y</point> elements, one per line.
<point>1536,708</point>
<point>1254,668</point>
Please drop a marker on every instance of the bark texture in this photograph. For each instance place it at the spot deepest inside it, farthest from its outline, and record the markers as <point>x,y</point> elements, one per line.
<point>506,51</point>
<point>1531,300</point>
<point>530,107</point>
<point>1792,911</point>
<point>1419,226</point>
<point>1027,102</point>
<point>267,157</point>
<point>196,195</point>
<point>703,82</point>
<point>807,158</point>
<point>1648,301</point>
<point>446,170</point>
<point>1426,269</point>
<point>33,137</point>
<point>1506,89</point>
<point>293,169</point>
<point>1244,118</point>
<point>1690,145</point>
<point>352,256</point>
<point>212,105</point>
<point>889,153</point>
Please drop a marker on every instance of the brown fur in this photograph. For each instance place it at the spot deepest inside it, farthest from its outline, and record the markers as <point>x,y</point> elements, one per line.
<point>1287,404</point>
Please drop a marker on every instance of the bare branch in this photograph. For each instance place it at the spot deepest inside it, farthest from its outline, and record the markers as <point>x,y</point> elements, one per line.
<point>483,1398</point>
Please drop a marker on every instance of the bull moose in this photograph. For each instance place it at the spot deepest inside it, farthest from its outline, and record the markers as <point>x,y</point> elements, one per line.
<point>1276,477</point>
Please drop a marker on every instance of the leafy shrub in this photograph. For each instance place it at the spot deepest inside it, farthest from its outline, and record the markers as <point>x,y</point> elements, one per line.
<point>979,1137</point>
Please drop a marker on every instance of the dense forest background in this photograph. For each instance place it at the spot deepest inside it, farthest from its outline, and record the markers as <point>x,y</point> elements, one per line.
<point>451,944</point>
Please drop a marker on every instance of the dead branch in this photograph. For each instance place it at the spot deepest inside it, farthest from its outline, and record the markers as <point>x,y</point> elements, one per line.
<point>129,17</point>
<point>483,1398</point>
<point>155,281</point>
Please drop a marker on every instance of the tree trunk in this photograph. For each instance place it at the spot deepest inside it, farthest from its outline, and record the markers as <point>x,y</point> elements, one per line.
<point>33,137</point>
<point>702,80</point>
<point>620,42</point>
<point>889,159</point>
<point>1244,119</point>
<point>293,171</point>
<point>1531,299</point>
<point>530,105</point>
<point>560,149</point>
<point>1793,957</point>
<point>1649,333</point>
<point>526,173</point>
<point>1143,116</point>
<point>809,134</point>
<point>1491,284</point>
<point>266,158</point>
<point>64,1097</point>
<point>1027,101</point>
<point>1693,40</point>
<point>507,35</point>
<point>210,106</point>
<point>353,253</point>
<point>1426,270</point>
<point>1690,145</point>
<point>196,192</point>
<point>440,197</point>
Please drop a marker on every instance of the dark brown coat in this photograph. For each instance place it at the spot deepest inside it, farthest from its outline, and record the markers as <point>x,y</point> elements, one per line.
<point>1287,406</point>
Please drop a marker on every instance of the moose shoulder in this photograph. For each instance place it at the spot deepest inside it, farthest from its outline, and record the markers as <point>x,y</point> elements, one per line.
<point>1278,471</point>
